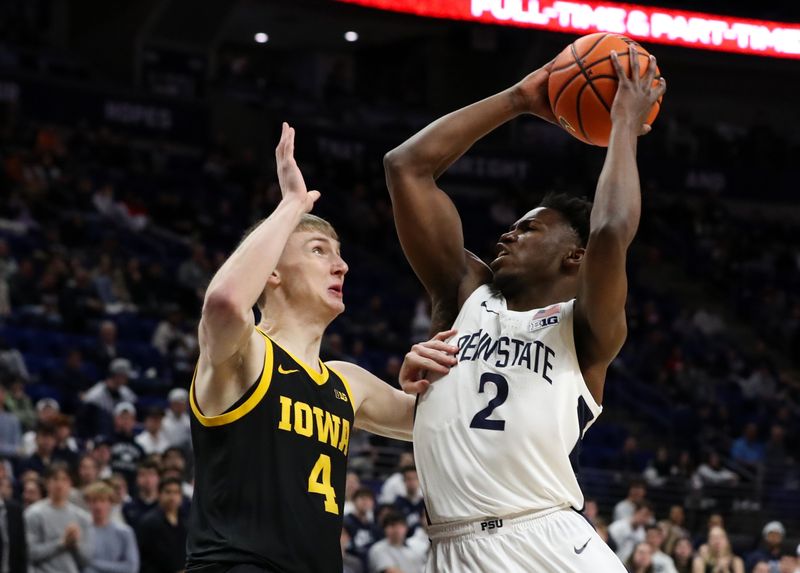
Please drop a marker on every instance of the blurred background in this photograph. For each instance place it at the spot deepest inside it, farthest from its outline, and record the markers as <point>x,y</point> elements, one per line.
<point>137,144</point>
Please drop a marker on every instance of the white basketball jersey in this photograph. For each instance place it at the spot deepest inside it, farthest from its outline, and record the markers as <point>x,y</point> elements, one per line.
<point>495,436</point>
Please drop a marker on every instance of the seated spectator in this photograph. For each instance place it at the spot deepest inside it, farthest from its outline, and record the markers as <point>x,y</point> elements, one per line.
<point>101,452</point>
<point>410,503</point>
<point>10,430</point>
<point>717,555</point>
<point>121,497</point>
<point>771,547</point>
<point>761,567</point>
<point>641,559</point>
<point>788,564</point>
<point>152,440</point>
<point>73,380</point>
<point>45,449</point>
<point>162,532</point>
<point>659,469</point>
<point>13,544</point>
<point>19,404</point>
<point>352,483</point>
<point>747,450</point>
<point>145,498</point>
<point>46,411</point>
<point>105,351</point>
<point>125,452</point>
<point>393,553</point>
<point>88,473</point>
<point>33,490</point>
<point>173,463</point>
<point>12,363</point>
<point>360,525</point>
<point>350,563</point>
<point>629,532</point>
<point>636,494</point>
<point>662,563</point>
<point>673,527</point>
<point>115,548</point>
<point>176,419</point>
<point>394,486</point>
<point>105,395</point>
<point>713,473</point>
<point>66,446</point>
<point>683,555</point>
<point>58,532</point>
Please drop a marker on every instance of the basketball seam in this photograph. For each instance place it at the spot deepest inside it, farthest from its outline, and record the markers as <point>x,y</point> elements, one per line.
<point>589,51</point>
<point>589,82</point>
<point>578,113</point>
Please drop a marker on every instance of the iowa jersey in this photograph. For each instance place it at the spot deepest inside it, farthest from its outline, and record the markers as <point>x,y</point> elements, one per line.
<point>270,471</point>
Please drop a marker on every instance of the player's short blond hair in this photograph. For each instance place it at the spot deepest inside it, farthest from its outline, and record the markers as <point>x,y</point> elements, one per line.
<point>99,490</point>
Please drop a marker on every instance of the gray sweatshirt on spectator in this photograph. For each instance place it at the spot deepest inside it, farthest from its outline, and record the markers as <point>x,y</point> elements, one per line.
<point>10,435</point>
<point>115,550</point>
<point>44,527</point>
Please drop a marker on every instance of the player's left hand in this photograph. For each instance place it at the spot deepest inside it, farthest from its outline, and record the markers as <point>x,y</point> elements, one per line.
<point>636,95</point>
<point>530,93</point>
<point>290,179</point>
<point>435,355</point>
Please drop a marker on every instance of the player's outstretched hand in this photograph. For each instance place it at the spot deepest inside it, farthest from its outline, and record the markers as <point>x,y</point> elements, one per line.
<point>636,95</point>
<point>530,94</point>
<point>289,177</point>
<point>435,355</point>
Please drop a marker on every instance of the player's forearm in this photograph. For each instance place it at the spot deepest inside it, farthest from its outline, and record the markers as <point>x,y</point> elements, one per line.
<point>431,151</point>
<point>617,203</point>
<point>239,282</point>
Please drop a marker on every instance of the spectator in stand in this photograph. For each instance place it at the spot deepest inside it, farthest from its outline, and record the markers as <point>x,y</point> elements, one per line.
<point>788,564</point>
<point>712,473</point>
<point>58,533</point>
<point>10,430</point>
<point>360,524</point>
<point>659,469</point>
<point>146,497</point>
<point>73,380</point>
<point>88,473</point>
<point>45,448</point>
<point>410,503</point>
<point>352,483</point>
<point>46,411</point>
<point>636,494</point>
<point>176,419</point>
<point>662,563</point>
<point>105,351</point>
<point>761,567</point>
<point>629,532</point>
<point>120,486</point>
<point>101,452</point>
<point>66,445</point>
<point>152,439</point>
<point>716,555</point>
<point>194,273</point>
<point>125,452</point>
<point>115,548</point>
<point>8,268</point>
<point>103,397</point>
<point>747,450</point>
<point>673,527</point>
<point>168,330</point>
<point>162,532</point>
<point>683,555</point>
<point>19,404</point>
<point>173,462</point>
<point>33,490</point>
<point>393,553</point>
<point>12,363</point>
<point>79,303</point>
<point>394,486</point>
<point>350,563</point>
<point>6,488</point>
<point>13,542</point>
<point>771,547</point>
<point>641,559</point>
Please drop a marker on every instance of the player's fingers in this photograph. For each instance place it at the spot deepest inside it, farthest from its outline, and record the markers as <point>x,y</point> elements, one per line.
<point>416,361</point>
<point>633,58</point>
<point>445,334</point>
<point>416,387</point>
<point>439,345</point>
<point>645,129</point>
<point>662,87</point>
<point>617,66</point>
<point>436,350</point>
<point>439,357</point>
<point>650,75</point>
<point>313,196</point>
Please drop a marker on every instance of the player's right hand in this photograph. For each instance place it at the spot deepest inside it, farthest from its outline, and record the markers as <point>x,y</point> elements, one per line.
<point>293,187</point>
<point>435,355</point>
<point>636,95</point>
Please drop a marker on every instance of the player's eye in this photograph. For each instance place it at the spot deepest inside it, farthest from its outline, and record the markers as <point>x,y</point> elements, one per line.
<point>317,250</point>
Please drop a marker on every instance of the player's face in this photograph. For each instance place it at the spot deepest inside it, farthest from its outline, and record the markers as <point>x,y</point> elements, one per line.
<point>533,249</point>
<point>312,271</point>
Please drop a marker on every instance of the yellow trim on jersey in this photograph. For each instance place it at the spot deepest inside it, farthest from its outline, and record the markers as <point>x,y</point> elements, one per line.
<point>346,387</point>
<point>249,404</point>
<point>318,377</point>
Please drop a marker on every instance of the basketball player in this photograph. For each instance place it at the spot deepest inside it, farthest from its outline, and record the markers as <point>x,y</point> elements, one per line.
<point>271,422</point>
<point>537,329</point>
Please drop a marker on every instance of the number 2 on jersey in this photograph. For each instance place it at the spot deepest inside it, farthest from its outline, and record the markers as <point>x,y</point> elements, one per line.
<point>319,481</point>
<point>481,419</point>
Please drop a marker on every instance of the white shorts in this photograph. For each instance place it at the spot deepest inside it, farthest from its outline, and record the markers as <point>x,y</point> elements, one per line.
<point>551,541</point>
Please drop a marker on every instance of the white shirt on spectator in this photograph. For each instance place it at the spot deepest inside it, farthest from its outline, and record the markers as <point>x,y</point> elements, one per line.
<point>706,475</point>
<point>100,396</point>
<point>624,510</point>
<point>407,558</point>
<point>153,444</point>
<point>626,537</point>
<point>393,487</point>
<point>176,429</point>
<point>663,563</point>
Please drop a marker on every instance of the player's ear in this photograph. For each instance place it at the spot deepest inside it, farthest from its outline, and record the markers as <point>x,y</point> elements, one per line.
<point>574,258</point>
<point>274,278</point>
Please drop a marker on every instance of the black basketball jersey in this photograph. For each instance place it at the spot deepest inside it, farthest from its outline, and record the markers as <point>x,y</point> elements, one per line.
<point>270,471</point>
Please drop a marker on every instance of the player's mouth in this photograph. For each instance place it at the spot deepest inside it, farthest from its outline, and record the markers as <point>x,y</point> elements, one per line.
<point>336,290</point>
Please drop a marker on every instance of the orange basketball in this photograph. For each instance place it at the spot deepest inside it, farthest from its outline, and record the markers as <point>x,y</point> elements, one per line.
<point>583,84</point>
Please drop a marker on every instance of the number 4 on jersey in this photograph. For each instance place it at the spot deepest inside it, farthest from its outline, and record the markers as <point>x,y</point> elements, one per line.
<point>319,481</point>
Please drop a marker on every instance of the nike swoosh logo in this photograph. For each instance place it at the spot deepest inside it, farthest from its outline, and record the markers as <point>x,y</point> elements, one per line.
<point>579,551</point>
<point>282,371</point>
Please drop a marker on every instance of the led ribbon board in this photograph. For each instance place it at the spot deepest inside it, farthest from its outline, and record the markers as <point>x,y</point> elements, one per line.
<point>647,23</point>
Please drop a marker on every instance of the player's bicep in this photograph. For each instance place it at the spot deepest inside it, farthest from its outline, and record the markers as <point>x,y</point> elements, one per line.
<point>429,228</point>
<point>223,331</point>
<point>600,303</point>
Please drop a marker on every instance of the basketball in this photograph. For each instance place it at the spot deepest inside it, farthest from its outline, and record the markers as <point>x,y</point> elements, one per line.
<point>586,63</point>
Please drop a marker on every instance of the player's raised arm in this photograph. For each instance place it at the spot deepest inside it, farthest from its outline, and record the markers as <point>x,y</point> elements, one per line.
<point>227,321</point>
<point>600,327</point>
<point>386,411</point>
<point>427,222</point>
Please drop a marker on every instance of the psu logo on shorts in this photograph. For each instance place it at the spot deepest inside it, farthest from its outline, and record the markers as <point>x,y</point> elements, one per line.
<point>545,317</point>
<point>491,525</point>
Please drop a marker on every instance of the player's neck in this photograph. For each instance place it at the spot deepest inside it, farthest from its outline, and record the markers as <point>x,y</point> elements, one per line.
<point>539,296</point>
<point>302,339</point>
